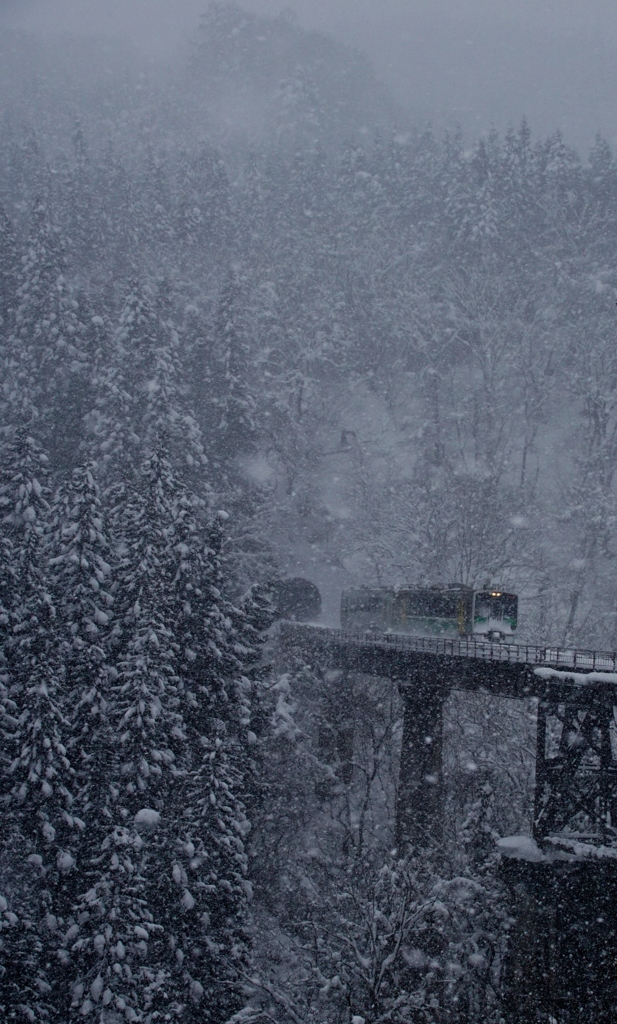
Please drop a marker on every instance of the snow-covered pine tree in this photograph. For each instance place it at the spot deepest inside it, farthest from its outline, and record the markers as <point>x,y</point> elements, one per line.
<point>81,201</point>
<point>140,391</point>
<point>217,656</point>
<point>196,341</point>
<point>40,833</point>
<point>82,583</point>
<point>167,412</point>
<point>9,270</point>
<point>154,207</point>
<point>167,892</point>
<point>232,433</point>
<point>48,369</point>
<point>204,220</point>
<point>40,295</point>
<point>125,963</point>
<point>232,414</point>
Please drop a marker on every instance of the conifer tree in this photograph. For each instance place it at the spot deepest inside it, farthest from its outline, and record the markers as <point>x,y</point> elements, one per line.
<point>233,405</point>
<point>48,367</point>
<point>206,876</point>
<point>216,651</point>
<point>83,580</point>
<point>81,207</point>
<point>154,206</point>
<point>166,887</point>
<point>41,299</point>
<point>41,829</point>
<point>125,963</point>
<point>204,217</point>
<point>233,426</point>
<point>9,270</point>
<point>140,391</point>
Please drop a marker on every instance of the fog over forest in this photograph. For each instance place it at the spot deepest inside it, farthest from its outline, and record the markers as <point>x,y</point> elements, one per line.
<point>471,63</point>
<point>319,294</point>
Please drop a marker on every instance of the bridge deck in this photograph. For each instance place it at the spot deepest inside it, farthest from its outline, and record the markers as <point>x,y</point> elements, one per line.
<point>521,654</point>
<point>507,669</point>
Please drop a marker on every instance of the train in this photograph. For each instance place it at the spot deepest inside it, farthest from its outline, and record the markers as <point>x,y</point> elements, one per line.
<point>453,611</point>
<point>294,599</point>
<point>490,613</point>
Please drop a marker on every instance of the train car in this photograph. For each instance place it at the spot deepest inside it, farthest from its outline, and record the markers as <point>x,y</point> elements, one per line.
<point>452,611</point>
<point>296,599</point>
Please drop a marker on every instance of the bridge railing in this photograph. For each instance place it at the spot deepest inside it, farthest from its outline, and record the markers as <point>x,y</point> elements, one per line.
<point>527,654</point>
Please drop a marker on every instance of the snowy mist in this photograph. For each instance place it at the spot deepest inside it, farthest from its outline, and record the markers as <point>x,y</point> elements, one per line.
<point>308,511</point>
<point>475,63</point>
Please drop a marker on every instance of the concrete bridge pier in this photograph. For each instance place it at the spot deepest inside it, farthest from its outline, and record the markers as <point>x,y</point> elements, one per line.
<point>420,797</point>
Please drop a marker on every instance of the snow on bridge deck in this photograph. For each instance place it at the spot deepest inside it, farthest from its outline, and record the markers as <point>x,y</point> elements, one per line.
<point>516,670</point>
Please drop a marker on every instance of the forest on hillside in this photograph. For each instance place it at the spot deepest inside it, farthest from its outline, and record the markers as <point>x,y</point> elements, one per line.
<point>308,340</point>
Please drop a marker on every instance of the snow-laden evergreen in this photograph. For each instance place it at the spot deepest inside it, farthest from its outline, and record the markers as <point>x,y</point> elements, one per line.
<point>44,340</point>
<point>165,874</point>
<point>127,702</point>
<point>41,828</point>
<point>140,390</point>
<point>232,414</point>
<point>81,566</point>
<point>9,270</point>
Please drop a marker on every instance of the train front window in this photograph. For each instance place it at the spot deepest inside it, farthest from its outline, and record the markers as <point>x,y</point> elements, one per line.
<point>509,603</point>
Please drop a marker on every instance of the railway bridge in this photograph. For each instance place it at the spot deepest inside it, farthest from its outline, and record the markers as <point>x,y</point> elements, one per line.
<point>562,963</point>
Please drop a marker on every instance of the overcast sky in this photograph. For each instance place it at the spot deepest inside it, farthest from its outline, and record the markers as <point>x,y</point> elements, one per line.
<point>477,62</point>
